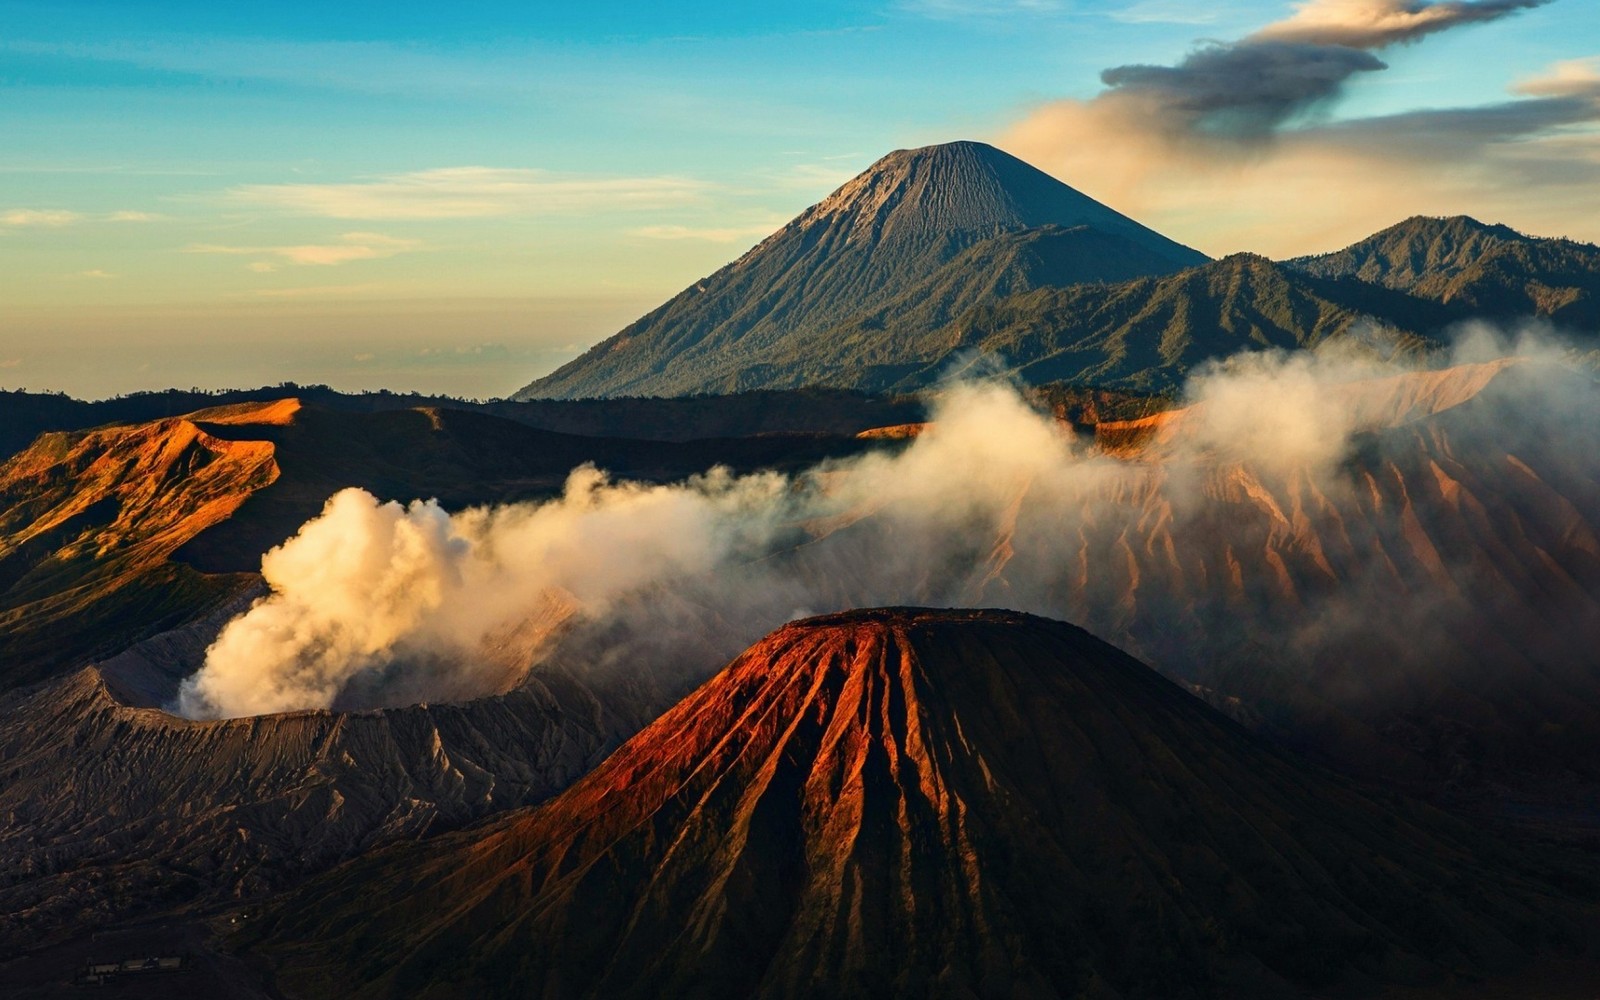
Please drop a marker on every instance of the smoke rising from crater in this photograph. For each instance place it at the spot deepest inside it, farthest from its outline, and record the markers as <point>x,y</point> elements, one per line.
<point>1301,507</point>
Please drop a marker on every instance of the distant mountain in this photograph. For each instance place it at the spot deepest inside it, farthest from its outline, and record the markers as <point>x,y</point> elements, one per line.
<point>1477,269</point>
<point>963,222</point>
<point>1142,335</point>
<point>907,802</point>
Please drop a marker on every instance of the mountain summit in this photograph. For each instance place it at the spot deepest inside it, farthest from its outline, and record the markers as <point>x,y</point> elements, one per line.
<point>1479,270</point>
<point>944,191</point>
<point>877,266</point>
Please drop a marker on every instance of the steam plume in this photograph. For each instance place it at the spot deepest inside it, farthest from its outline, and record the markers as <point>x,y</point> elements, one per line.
<point>1286,505</point>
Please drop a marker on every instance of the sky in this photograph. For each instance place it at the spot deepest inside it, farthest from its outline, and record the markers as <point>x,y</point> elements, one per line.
<point>458,198</point>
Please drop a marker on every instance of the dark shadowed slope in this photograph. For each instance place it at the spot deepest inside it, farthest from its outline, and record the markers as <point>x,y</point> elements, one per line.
<point>1477,269</point>
<point>901,224</point>
<point>917,803</point>
<point>111,811</point>
<point>1146,334</point>
<point>26,415</point>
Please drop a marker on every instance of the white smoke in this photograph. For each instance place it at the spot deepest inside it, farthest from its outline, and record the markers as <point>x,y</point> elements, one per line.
<point>380,604</point>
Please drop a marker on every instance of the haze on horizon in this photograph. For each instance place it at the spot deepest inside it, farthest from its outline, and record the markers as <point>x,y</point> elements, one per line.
<point>459,200</point>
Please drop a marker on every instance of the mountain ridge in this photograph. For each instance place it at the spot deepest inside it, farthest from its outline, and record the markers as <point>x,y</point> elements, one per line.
<point>1483,270</point>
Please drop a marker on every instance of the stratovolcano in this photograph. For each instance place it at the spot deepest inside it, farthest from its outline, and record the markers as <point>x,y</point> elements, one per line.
<point>915,802</point>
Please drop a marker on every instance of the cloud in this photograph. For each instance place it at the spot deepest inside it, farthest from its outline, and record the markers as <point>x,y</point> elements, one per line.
<point>464,354</point>
<point>826,175</point>
<point>1246,90</point>
<point>97,273</point>
<point>1373,24</point>
<point>1572,79</point>
<point>471,192</point>
<point>353,247</point>
<point>710,234</point>
<point>1240,91</point>
<point>131,216</point>
<point>38,218</point>
<point>56,218</point>
<point>1223,145</point>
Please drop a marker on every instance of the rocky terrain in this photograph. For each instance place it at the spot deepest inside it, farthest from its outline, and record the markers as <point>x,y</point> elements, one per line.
<point>1420,615</point>
<point>90,519</point>
<point>114,811</point>
<point>130,530</point>
<point>126,550</point>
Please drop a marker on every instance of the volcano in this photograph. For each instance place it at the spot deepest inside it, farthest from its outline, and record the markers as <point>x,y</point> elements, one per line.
<point>911,802</point>
<point>961,223</point>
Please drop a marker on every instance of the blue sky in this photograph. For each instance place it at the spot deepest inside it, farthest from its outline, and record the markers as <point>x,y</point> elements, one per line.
<point>459,197</point>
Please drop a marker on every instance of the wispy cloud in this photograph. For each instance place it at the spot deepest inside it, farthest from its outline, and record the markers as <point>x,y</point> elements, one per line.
<point>38,218</point>
<point>1372,24</point>
<point>709,234</point>
<point>351,247</point>
<point>1238,135</point>
<point>814,176</point>
<point>96,274</point>
<point>471,192</point>
<point>56,218</point>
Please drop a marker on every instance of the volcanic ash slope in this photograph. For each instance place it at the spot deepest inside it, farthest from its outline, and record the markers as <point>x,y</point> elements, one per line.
<point>910,802</point>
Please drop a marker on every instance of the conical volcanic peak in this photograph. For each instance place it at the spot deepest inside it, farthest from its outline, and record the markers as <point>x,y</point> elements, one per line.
<point>940,222</point>
<point>909,802</point>
<point>961,187</point>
